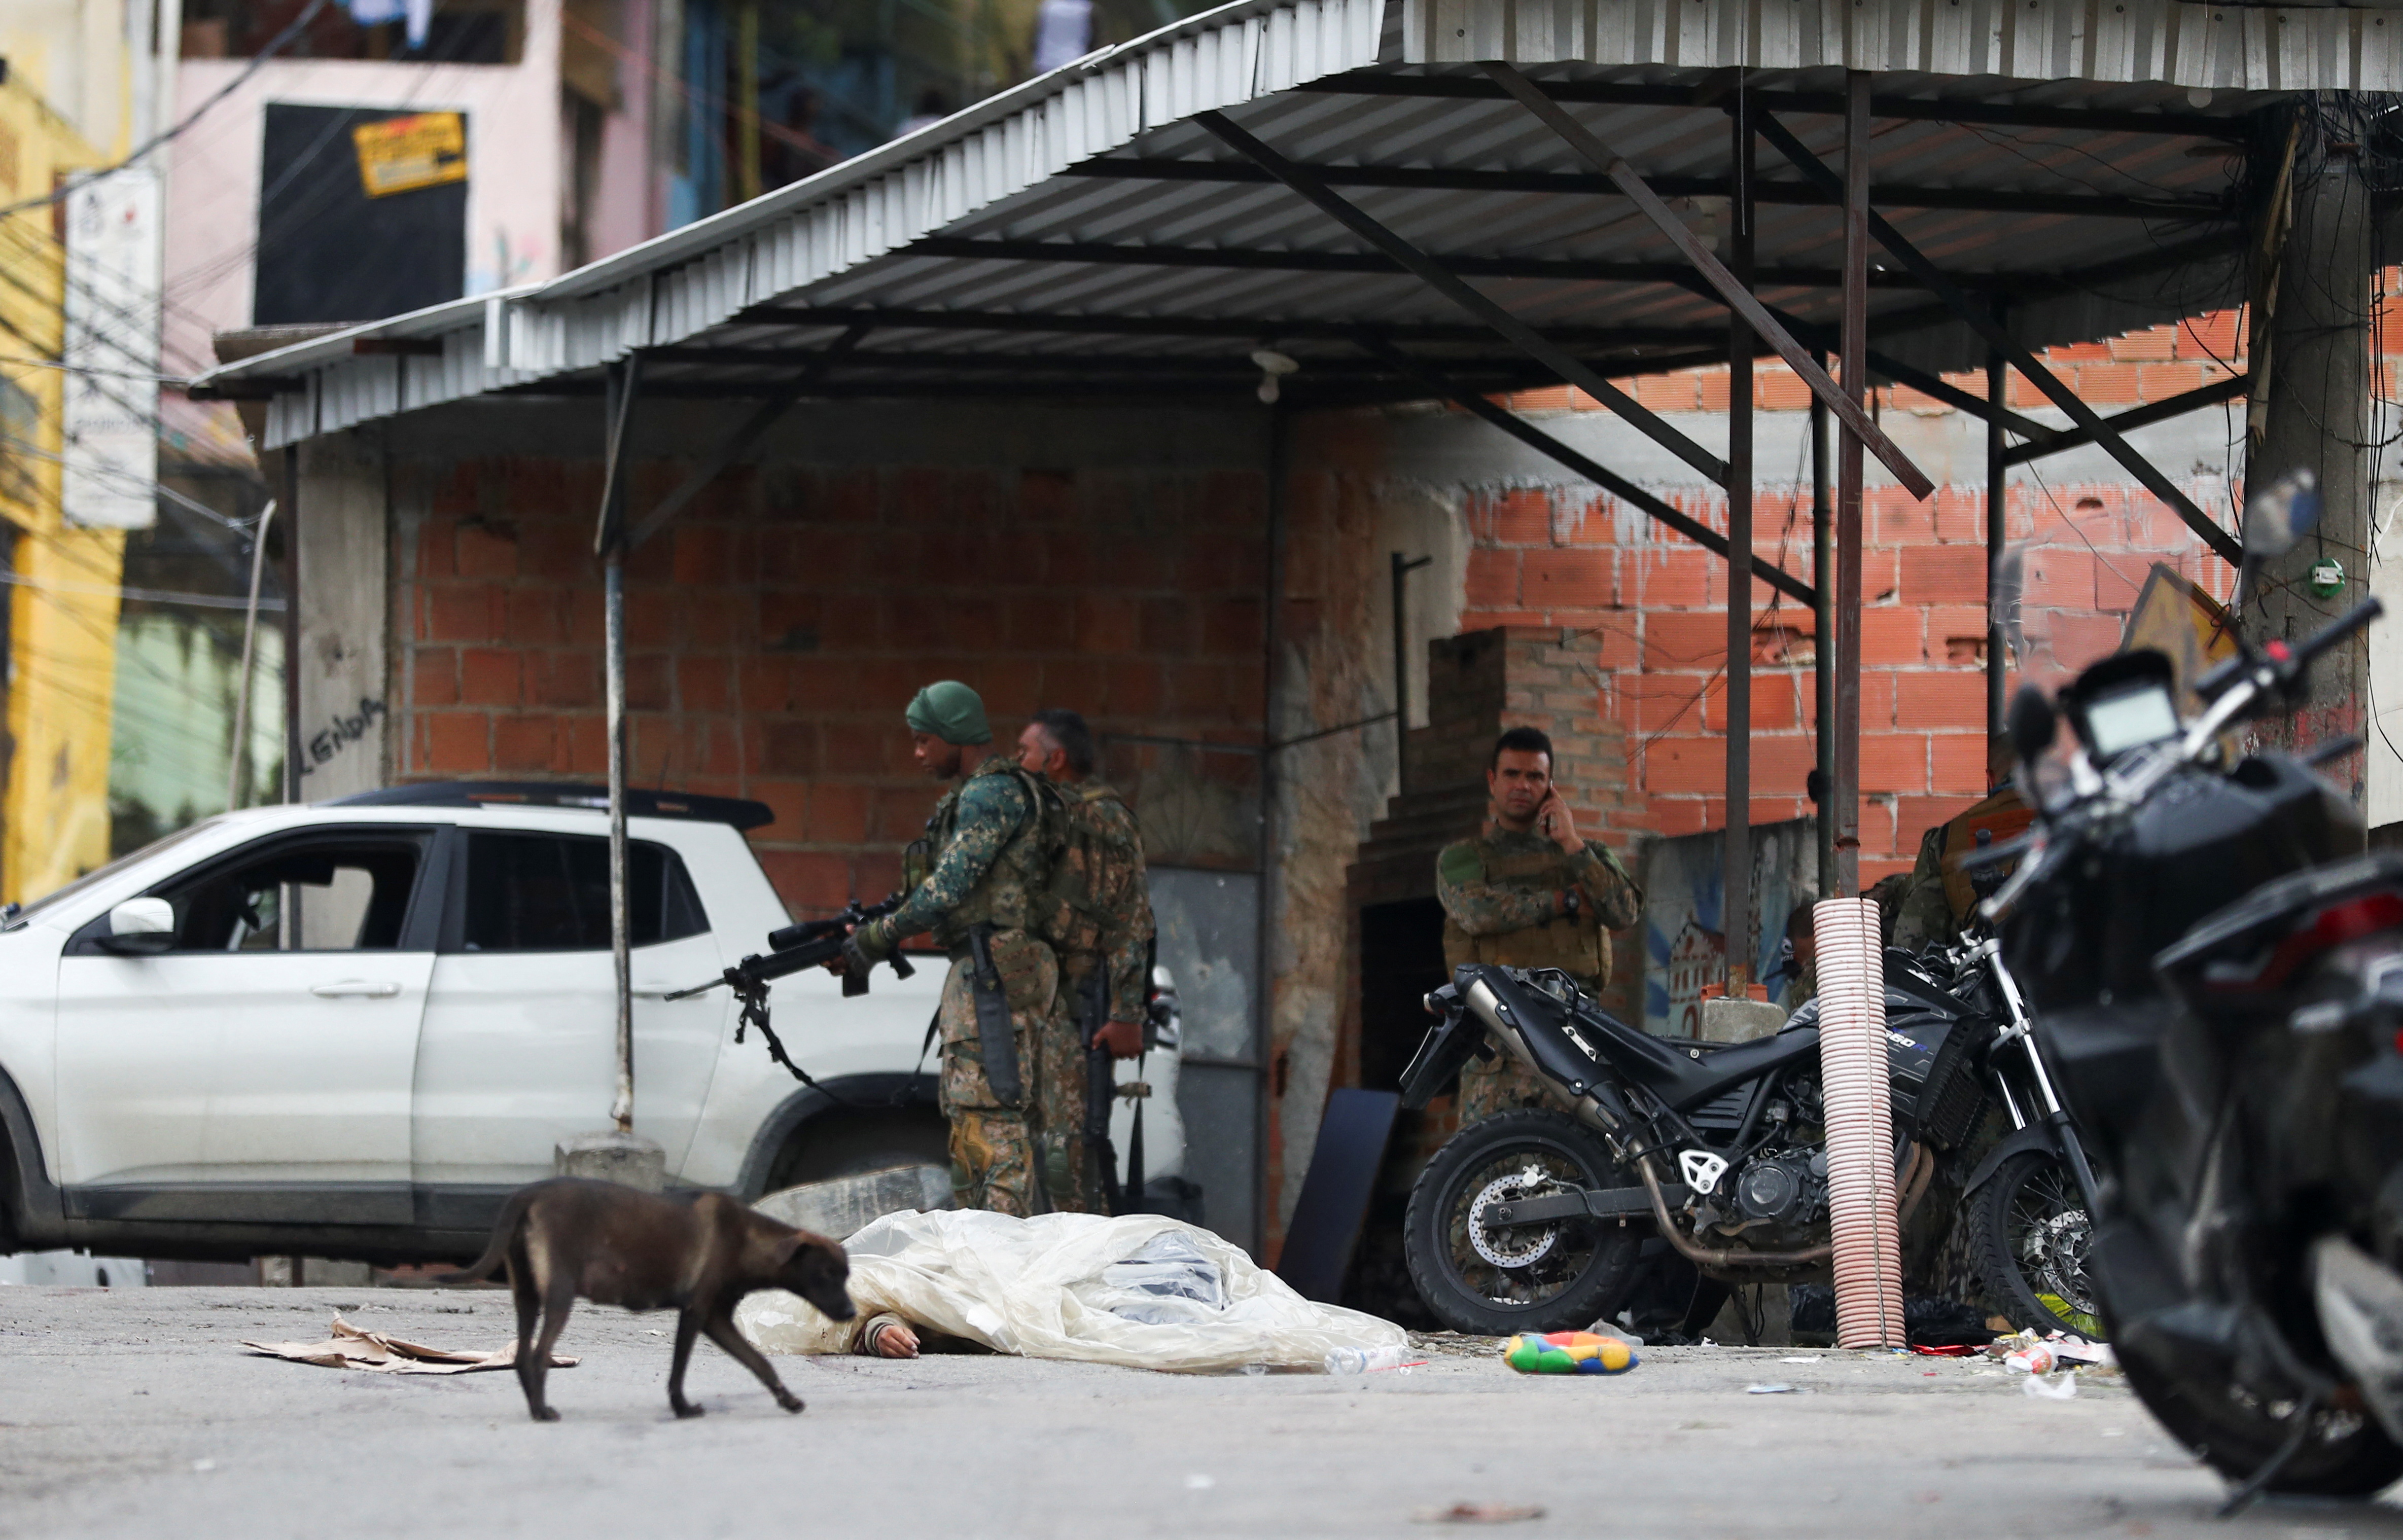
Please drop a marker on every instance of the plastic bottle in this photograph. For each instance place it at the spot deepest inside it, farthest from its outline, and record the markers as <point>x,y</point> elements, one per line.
<point>1363,1360</point>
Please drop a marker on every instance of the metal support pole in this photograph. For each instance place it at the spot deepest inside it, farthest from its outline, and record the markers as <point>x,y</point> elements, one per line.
<point>1402,570</point>
<point>1844,785</point>
<point>289,501</point>
<point>1737,871</point>
<point>624,380</point>
<point>1997,496</point>
<point>241,756</point>
<point>1822,649</point>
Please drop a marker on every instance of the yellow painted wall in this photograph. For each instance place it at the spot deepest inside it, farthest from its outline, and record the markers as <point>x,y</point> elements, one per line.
<point>62,606</point>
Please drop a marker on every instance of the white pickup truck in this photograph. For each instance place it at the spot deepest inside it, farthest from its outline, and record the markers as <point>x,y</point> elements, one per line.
<point>350,1029</point>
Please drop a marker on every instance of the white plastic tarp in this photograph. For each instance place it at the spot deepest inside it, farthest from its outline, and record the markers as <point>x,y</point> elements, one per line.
<point>1139,1290</point>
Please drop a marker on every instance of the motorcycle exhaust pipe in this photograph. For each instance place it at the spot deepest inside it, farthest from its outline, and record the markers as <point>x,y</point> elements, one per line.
<point>1922,1171</point>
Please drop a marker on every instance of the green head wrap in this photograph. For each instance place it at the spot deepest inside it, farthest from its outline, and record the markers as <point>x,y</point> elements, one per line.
<point>951,712</point>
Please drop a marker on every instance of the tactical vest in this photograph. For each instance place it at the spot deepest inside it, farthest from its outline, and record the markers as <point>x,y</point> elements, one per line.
<point>1071,917</point>
<point>1575,944</point>
<point>1010,896</point>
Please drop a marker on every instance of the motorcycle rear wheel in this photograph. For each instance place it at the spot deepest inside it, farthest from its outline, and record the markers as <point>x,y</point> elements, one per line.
<point>2235,1438</point>
<point>1496,1282</point>
<point>2032,1231</point>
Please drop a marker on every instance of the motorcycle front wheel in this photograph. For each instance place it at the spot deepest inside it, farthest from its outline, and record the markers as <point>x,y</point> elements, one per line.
<point>1493,1281</point>
<point>2032,1232</point>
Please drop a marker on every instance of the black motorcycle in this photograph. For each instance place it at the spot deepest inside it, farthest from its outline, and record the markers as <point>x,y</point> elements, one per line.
<point>1534,1220</point>
<point>2235,1064</point>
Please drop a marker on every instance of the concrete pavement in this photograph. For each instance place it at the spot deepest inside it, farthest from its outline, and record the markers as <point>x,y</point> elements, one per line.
<point>135,1413</point>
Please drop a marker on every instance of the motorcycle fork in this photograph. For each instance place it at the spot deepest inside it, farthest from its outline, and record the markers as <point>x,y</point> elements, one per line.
<point>2064,1132</point>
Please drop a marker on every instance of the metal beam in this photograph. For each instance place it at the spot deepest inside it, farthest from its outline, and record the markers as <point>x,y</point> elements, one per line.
<point>1981,320</point>
<point>1436,385</point>
<point>2075,205</point>
<point>2191,125</point>
<point>1732,290</point>
<point>2047,441</point>
<point>1436,277</point>
<point>1550,270</point>
<point>742,438</point>
<point>1232,365</point>
<point>1894,371</point>
<point>1233,328</point>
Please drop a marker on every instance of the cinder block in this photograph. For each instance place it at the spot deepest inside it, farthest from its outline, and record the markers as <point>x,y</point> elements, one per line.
<point>1726,1020</point>
<point>616,1156</point>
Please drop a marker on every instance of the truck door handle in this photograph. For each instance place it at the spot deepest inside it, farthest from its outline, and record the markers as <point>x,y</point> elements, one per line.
<point>373,989</point>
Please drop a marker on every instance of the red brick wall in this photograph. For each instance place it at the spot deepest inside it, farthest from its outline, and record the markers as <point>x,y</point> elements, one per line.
<point>1655,603</point>
<point>778,627</point>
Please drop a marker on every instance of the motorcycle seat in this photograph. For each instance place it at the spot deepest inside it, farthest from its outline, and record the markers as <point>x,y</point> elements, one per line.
<point>1673,1072</point>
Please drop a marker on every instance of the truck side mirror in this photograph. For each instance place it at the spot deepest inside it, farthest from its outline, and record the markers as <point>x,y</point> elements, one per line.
<point>140,927</point>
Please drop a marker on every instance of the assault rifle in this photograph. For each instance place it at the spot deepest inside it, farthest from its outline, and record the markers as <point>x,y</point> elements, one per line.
<point>793,949</point>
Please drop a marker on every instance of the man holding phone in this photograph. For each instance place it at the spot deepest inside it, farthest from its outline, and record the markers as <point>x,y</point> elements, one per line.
<point>1530,892</point>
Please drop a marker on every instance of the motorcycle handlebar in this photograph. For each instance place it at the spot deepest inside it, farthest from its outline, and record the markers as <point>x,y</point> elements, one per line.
<point>2335,631</point>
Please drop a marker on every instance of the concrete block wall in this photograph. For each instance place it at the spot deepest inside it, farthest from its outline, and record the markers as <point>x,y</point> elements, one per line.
<point>776,630</point>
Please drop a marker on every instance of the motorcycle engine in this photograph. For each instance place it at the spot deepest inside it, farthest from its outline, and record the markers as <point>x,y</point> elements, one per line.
<point>1772,1199</point>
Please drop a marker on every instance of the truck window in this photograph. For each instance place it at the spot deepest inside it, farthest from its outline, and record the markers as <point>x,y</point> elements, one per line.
<point>347,894</point>
<point>550,893</point>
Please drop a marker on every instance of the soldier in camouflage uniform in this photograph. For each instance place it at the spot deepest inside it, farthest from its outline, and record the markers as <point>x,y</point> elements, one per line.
<point>1936,902</point>
<point>982,864</point>
<point>1528,892</point>
<point>1100,923</point>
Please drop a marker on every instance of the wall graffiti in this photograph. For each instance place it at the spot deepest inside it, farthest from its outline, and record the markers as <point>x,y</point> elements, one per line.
<point>340,732</point>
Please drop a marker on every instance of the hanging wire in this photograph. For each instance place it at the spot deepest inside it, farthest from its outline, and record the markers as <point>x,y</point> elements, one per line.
<point>274,46</point>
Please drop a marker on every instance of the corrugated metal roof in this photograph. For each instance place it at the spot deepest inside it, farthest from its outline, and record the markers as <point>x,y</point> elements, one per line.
<point>2245,48</point>
<point>1082,234</point>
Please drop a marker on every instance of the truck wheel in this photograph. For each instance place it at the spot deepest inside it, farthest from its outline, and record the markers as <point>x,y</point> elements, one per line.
<point>848,1142</point>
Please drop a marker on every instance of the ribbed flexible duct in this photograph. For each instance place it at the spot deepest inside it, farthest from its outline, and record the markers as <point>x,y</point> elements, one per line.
<point>1854,1085</point>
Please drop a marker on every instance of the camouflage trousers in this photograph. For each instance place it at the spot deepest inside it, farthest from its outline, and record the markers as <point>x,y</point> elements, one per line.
<point>997,1149</point>
<point>1505,1085</point>
<point>1072,1171</point>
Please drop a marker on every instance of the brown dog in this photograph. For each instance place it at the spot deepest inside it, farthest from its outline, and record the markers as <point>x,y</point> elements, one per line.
<point>571,1237</point>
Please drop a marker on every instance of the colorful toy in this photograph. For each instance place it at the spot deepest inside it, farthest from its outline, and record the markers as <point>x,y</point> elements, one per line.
<point>1568,1352</point>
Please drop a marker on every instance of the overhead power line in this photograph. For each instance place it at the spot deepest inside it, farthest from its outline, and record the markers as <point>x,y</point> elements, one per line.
<point>275,45</point>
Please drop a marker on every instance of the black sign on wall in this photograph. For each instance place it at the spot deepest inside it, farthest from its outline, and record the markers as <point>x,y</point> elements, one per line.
<point>327,251</point>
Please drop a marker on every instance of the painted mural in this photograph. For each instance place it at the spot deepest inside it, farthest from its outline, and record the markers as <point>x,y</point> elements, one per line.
<point>1685,909</point>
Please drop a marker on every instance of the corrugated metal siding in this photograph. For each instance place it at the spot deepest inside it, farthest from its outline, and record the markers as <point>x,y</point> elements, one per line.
<point>2217,48</point>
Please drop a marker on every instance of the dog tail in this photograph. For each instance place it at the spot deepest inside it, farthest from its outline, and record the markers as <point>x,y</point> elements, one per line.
<point>512,1216</point>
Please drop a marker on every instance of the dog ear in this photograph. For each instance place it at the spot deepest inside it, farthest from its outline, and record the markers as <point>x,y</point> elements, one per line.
<point>779,1251</point>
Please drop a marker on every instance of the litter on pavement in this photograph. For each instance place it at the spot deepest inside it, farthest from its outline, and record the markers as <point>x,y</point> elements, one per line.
<point>352,1348</point>
<point>1480,1513</point>
<point>1568,1352</point>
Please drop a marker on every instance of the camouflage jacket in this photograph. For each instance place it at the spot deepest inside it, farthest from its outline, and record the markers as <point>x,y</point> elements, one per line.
<point>1500,892</point>
<point>985,861</point>
<point>1939,897</point>
<point>1118,895</point>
